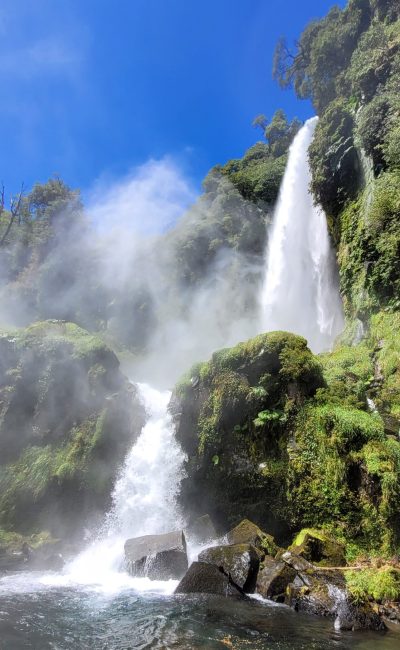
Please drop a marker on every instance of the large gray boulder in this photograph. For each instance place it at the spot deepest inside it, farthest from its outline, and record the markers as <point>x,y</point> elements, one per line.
<point>205,578</point>
<point>240,561</point>
<point>159,557</point>
<point>274,578</point>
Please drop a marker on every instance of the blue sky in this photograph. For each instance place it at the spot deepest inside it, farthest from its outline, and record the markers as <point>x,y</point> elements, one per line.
<point>93,88</point>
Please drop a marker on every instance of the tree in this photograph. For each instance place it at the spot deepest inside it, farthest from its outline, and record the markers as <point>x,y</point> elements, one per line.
<point>279,133</point>
<point>323,52</point>
<point>14,212</point>
<point>260,122</point>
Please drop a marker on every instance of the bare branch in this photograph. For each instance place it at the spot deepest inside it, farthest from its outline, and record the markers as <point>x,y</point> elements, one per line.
<point>2,199</point>
<point>15,211</point>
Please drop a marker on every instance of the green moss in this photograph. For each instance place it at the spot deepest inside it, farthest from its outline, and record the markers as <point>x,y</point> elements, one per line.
<point>52,333</point>
<point>319,474</point>
<point>348,372</point>
<point>315,532</point>
<point>42,470</point>
<point>12,541</point>
<point>251,378</point>
<point>377,584</point>
<point>384,339</point>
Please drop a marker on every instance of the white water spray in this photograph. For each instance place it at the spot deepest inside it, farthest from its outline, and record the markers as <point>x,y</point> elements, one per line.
<point>300,292</point>
<point>144,501</point>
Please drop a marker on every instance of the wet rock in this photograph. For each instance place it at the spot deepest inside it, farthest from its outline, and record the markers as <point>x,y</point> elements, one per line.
<point>46,557</point>
<point>203,577</point>
<point>202,530</point>
<point>274,578</point>
<point>390,611</point>
<point>300,564</point>
<point>248,533</point>
<point>240,561</point>
<point>325,594</point>
<point>159,557</point>
<point>351,616</point>
<point>12,561</point>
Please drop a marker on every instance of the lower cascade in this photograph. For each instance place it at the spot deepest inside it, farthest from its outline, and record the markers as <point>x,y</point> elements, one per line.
<point>144,496</point>
<point>300,292</point>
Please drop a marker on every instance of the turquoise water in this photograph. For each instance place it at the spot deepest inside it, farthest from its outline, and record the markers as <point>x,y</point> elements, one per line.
<point>43,617</point>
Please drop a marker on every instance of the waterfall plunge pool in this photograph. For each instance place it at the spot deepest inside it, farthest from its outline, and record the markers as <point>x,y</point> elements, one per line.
<point>46,611</point>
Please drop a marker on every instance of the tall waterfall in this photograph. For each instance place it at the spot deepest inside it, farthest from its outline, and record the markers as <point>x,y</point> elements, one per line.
<point>300,291</point>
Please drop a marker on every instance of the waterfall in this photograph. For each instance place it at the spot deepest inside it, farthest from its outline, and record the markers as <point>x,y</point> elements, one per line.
<point>300,290</point>
<point>144,498</point>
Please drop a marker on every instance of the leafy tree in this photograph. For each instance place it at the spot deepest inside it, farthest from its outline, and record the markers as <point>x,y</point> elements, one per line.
<point>279,133</point>
<point>322,53</point>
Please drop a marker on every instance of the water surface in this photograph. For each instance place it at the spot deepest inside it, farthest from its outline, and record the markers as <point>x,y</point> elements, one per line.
<point>38,611</point>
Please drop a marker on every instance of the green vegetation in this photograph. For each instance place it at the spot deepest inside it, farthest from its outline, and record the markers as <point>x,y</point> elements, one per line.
<point>348,372</point>
<point>377,584</point>
<point>297,443</point>
<point>249,394</point>
<point>348,63</point>
<point>66,420</point>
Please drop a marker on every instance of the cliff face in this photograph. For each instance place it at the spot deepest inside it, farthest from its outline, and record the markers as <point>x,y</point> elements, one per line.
<point>276,434</point>
<point>67,418</point>
<point>355,156</point>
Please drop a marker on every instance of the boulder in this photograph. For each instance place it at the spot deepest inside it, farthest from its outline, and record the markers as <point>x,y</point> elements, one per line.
<point>202,577</point>
<point>298,563</point>
<point>240,561</point>
<point>19,555</point>
<point>274,578</point>
<point>328,596</point>
<point>319,547</point>
<point>248,533</point>
<point>202,530</point>
<point>324,593</point>
<point>159,557</point>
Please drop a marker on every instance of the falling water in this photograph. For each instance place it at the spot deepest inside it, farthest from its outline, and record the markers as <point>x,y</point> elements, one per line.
<point>144,498</point>
<point>300,292</point>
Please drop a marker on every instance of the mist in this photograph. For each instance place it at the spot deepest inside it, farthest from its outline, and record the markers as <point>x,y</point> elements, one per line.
<point>149,265</point>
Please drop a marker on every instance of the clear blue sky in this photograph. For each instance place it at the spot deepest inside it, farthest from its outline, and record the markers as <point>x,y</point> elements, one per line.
<point>94,87</point>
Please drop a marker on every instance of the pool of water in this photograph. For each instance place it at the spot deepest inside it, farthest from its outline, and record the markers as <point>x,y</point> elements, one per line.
<point>48,611</point>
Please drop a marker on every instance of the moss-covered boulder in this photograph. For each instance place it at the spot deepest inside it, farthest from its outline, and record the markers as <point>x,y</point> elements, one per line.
<point>319,547</point>
<point>248,533</point>
<point>292,441</point>
<point>232,416</point>
<point>67,418</point>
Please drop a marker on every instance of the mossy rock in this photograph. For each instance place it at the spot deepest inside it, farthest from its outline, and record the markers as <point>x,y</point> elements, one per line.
<point>67,417</point>
<point>246,532</point>
<point>232,416</point>
<point>319,547</point>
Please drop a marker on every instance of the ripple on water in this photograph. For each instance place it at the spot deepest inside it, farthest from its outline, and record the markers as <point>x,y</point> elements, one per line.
<point>51,616</point>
